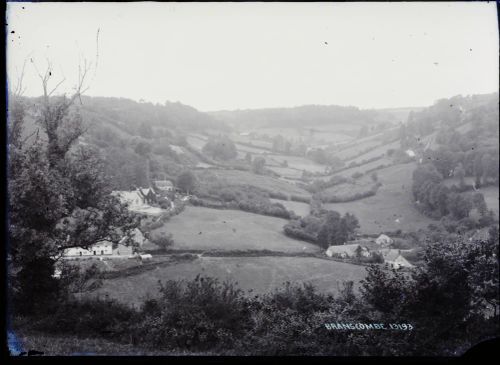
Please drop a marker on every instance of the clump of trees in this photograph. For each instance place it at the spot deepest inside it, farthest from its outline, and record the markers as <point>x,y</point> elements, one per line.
<point>437,200</point>
<point>258,165</point>
<point>220,148</point>
<point>324,228</point>
<point>162,240</point>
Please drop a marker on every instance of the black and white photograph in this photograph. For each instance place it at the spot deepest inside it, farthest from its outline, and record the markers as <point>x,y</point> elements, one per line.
<point>214,179</point>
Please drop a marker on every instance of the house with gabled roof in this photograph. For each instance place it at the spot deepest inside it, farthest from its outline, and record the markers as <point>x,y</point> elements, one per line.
<point>164,185</point>
<point>148,195</point>
<point>348,251</point>
<point>394,259</point>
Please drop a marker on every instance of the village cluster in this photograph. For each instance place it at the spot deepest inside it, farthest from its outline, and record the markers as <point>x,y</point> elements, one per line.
<point>140,200</point>
<point>367,248</point>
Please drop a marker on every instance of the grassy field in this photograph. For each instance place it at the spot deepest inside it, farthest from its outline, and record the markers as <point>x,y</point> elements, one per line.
<point>299,208</point>
<point>296,162</point>
<point>236,177</point>
<point>351,152</point>
<point>196,141</point>
<point>376,152</point>
<point>392,202</point>
<point>260,274</point>
<point>348,191</point>
<point>365,167</point>
<point>201,228</point>
<point>286,172</point>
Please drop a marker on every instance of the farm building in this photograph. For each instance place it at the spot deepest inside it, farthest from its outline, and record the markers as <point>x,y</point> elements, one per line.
<point>164,185</point>
<point>136,198</point>
<point>99,249</point>
<point>346,251</point>
<point>102,248</point>
<point>384,240</point>
<point>394,259</point>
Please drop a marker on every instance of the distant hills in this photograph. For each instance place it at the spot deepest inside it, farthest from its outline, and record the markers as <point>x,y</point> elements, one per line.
<point>311,115</point>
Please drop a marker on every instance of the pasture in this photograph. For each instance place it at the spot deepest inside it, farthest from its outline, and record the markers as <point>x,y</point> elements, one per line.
<point>381,150</point>
<point>352,150</point>
<point>267,183</point>
<point>286,172</point>
<point>196,141</point>
<point>348,191</point>
<point>259,274</point>
<point>199,228</point>
<point>391,208</point>
<point>296,162</point>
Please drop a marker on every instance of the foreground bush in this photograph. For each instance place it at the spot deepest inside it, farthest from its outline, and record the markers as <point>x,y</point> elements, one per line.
<point>200,314</point>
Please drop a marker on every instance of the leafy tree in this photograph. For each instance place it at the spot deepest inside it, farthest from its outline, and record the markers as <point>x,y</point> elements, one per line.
<point>186,181</point>
<point>220,148</point>
<point>58,199</point>
<point>163,240</point>
<point>143,148</point>
<point>479,203</point>
<point>459,205</point>
<point>258,165</point>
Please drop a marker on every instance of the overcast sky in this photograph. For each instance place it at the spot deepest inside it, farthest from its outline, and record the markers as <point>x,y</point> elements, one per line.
<point>216,56</point>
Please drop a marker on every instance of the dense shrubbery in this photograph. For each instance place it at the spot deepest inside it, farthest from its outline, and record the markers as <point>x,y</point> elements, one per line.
<point>300,199</point>
<point>246,198</point>
<point>278,195</point>
<point>162,240</point>
<point>220,148</point>
<point>437,200</point>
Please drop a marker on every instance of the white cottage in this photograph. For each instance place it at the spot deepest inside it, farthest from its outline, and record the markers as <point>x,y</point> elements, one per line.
<point>164,185</point>
<point>394,259</point>
<point>346,251</point>
<point>384,240</point>
<point>101,248</point>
